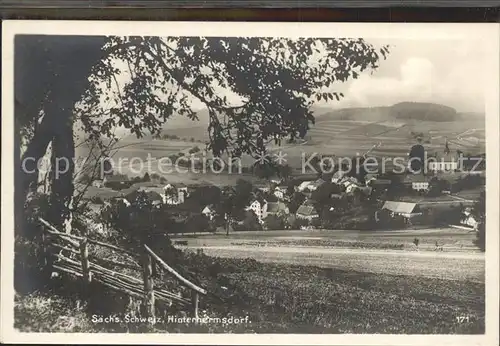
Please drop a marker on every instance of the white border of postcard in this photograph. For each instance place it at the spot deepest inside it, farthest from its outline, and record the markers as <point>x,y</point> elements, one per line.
<point>489,33</point>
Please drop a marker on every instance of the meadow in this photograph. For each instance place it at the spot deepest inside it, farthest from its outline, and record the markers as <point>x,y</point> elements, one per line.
<point>282,298</point>
<point>383,139</point>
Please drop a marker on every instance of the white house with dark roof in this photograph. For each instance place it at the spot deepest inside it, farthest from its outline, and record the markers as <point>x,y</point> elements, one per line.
<point>209,212</point>
<point>280,192</point>
<point>259,208</point>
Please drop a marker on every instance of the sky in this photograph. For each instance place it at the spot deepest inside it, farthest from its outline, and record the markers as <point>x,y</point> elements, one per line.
<point>446,72</point>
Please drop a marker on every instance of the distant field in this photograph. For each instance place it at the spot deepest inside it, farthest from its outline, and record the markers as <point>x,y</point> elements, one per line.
<point>196,130</point>
<point>448,237</point>
<point>341,138</point>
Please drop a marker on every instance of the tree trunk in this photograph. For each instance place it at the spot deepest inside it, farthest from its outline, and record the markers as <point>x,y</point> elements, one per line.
<point>51,73</point>
<point>62,168</point>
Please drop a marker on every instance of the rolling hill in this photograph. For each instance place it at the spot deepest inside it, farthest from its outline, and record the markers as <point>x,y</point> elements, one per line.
<point>387,118</point>
<point>385,132</point>
<point>400,111</point>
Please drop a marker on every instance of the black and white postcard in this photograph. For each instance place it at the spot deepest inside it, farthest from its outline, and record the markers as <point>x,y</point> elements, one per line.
<point>256,183</point>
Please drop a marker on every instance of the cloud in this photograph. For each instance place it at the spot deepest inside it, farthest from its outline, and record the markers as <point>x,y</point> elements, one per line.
<point>429,77</point>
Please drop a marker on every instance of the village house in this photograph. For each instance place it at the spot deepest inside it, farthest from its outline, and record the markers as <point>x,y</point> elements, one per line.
<point>259,207</point>
<point>418,182</point>
<point>155,198</point>
<point>469,220</point>
<point>121,198</point>
<point>182,192</point>
<point>116,181</point>
<point>174,195</point>
<point>370,177</point>
<point>350,184</point>
<point>264,189</point>
<point>302,186</point>
<point>280,192</point>
<point>444,161</point>
<point>338,177</point>
<point>154,195</point>
<point>315,184</point>
<point>209,212</point>
<point>306,212</point>
<point>98,183</point>
<point>406,209</point>
<point>275,180</point>
<point>310,185</point>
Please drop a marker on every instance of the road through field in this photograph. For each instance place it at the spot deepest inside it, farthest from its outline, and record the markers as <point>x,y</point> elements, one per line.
<point>443,265</point>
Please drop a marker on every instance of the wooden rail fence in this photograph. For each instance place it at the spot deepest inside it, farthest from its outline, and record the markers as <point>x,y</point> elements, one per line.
<point>72,257</point>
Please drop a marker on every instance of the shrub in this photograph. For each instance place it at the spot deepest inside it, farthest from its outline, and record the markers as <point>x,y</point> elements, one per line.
<point>41,313</point>
<point>298,223</point>
<point>96,200</point>
<point>194,150</point>
<point>85,179</point>
<point>480,240</point>
<point>273,222</point>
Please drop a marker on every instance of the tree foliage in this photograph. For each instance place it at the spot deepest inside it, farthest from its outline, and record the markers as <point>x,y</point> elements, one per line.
<point>137,83</point>
<point>274,80</point>
<point>479,213</point>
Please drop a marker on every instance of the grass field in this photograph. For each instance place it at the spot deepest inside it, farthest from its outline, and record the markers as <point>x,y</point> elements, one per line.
<point>441,253</point>
<point>446,237</point>
<point>280,298</point>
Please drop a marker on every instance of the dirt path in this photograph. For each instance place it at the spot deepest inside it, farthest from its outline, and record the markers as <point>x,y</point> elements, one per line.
<point>444,265</point>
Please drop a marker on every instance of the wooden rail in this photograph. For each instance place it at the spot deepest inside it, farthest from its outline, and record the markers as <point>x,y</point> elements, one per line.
<point>72,257</point>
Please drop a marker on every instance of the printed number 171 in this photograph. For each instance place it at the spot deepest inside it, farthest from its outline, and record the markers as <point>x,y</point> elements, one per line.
<point>462,319</point>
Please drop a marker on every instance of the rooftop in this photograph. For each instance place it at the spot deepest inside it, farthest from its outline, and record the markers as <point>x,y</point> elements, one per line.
<point>116,178</point>
<point>307,210</point>
<point>400,207</point>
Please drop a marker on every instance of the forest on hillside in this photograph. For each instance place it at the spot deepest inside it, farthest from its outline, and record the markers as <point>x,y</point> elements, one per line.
<point>400,111</point>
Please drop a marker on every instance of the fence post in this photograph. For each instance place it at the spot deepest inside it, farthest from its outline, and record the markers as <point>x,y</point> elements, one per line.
<point>45,245</point>
<point>47,255</point>
<point>195,297</point>
<point>147,273</point>
<point>84,254</point>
